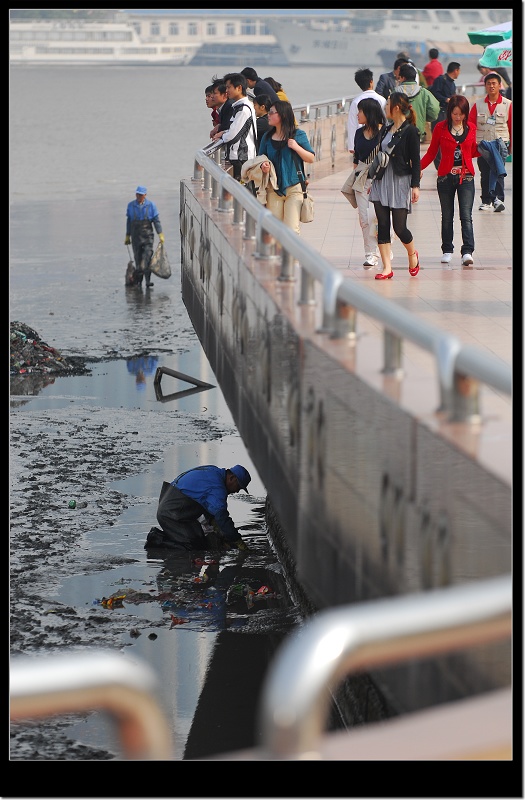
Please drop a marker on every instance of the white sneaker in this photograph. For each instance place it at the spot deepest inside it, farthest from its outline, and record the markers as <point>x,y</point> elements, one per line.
<point>446,258</point>
<point>486,207</point>
<point>467,259</point>
<point>370,261</point>
<point>499,205</point>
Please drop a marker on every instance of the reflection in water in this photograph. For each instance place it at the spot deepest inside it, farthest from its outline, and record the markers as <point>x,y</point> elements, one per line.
<point>140,366</point>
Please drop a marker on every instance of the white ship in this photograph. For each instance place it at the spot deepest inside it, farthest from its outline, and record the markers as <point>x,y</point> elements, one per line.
<point>373,37</point>
<point>82,42</point>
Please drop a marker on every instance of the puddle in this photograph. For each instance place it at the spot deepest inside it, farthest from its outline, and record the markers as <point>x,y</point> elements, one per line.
<point>209,630</point>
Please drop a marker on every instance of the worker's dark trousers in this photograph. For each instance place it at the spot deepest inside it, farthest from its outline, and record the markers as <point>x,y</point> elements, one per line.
<point>177,515</point>
<point>142,242</point>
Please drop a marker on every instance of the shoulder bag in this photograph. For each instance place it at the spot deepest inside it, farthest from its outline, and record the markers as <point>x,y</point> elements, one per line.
<point>307,208</point>
<point>378,166</point>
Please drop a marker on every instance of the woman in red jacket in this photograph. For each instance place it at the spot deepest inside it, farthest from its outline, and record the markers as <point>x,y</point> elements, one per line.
<point>456,137</point>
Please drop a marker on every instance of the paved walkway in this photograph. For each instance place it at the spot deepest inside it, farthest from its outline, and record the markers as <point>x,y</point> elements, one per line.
<point>474,303</point>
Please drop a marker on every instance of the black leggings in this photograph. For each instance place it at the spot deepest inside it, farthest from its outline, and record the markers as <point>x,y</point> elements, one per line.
<point>399,224</point>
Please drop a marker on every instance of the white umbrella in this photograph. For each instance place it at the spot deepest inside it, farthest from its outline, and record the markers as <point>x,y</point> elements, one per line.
<point>498,54</point>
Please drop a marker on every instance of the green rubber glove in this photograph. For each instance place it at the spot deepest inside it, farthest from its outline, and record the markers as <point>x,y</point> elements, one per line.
<point>128,239</point>
<point>161,237</point>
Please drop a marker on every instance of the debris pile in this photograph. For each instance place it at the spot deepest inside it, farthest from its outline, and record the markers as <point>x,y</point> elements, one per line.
<point>30,354</point>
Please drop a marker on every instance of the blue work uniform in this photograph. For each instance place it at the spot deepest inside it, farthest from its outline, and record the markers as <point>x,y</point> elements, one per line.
<point>198,491</point>
<point>140,220</point>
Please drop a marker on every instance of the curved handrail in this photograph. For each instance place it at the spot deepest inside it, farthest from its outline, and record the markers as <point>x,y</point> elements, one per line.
<point>87,681</point>
<point>295,699</point>
<point>458,365</point>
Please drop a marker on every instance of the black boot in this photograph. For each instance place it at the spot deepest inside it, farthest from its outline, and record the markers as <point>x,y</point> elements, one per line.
<point>149,282</point>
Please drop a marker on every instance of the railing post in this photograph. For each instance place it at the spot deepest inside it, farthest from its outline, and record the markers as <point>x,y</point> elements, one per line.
<point>198,171</point>
<point>287,266</point>
<point>393,351</point>
<point>465,399</point>
<point>307,295</point>
<point>345,322</point>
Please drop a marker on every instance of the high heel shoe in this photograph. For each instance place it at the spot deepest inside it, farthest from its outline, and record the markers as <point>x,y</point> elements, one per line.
<point>381,277</point>
<point>414,270</point>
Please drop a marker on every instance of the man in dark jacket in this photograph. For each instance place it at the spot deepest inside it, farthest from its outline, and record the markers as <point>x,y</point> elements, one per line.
<point>387,82</point>
<point>198,495</point>
<point>443,88</point>
<point>223,106</point>
<point>258,85</point>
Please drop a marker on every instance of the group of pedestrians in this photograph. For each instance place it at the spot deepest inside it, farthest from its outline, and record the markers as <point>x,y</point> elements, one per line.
<point>392,119</point>
<point>263,143</point>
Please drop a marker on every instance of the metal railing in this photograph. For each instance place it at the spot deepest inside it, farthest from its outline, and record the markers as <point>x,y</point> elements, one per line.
<point>461,368</point>
<point>295,701</point>
<point>87,681</point>
<point>295,698</point>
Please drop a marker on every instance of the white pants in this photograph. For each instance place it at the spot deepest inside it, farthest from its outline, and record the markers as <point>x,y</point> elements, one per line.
<point>368,222</point>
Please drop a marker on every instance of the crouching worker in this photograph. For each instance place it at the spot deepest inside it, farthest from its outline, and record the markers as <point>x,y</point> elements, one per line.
<point>200,494</point>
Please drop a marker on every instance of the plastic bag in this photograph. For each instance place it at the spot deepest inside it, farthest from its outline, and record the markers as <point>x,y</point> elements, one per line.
<point>159,264</point>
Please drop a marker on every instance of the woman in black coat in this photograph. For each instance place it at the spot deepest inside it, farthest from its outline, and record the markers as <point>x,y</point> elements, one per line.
<point>394,194</point>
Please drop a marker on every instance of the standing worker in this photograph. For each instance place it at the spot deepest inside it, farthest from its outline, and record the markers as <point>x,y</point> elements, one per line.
<point>141,216</point>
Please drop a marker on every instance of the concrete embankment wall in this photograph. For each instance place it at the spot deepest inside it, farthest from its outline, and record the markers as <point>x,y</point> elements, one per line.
<point>372,500</point>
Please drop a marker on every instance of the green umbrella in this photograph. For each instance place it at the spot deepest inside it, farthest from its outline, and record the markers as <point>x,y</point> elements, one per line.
<point>498,54</point>
<point>496,33</point>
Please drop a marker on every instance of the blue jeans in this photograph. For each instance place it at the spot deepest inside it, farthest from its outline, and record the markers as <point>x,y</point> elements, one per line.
<point>448,186</point>
<point>486,195</point>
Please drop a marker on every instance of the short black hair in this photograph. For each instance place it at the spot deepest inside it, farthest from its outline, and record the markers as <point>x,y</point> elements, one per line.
<point>453,65</point>
<point>399,61</point>
<point>407,72</point>
<point>236,79</point>
<point>208,89</point>
<point>363,78</point>
<point>249,73</point>
<point>220,84</point>
<point>433,52</point>
<point>263,100</point>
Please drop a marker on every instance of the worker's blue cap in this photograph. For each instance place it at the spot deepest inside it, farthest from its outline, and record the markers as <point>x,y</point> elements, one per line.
<point>242,475</point>
<point>141,190</point>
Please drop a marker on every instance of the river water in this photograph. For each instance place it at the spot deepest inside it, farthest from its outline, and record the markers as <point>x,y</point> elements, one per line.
<point>81,140</point>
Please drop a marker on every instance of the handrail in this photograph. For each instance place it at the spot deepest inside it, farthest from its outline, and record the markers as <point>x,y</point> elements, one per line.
<point>87,681</point>
<point>460,368</point>
<point>295,701</point>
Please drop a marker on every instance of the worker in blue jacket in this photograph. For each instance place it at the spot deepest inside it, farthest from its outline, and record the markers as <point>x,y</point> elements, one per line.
<point>198,495</point>
<point>141,217</point>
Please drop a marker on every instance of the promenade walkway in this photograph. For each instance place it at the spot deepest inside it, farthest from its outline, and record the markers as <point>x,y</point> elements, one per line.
<point>474,303</point>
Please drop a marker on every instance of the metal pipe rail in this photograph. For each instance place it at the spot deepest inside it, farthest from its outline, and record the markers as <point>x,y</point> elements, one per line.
<point>86,681</point>
<point>295,698</point>
<point>460,368</point>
